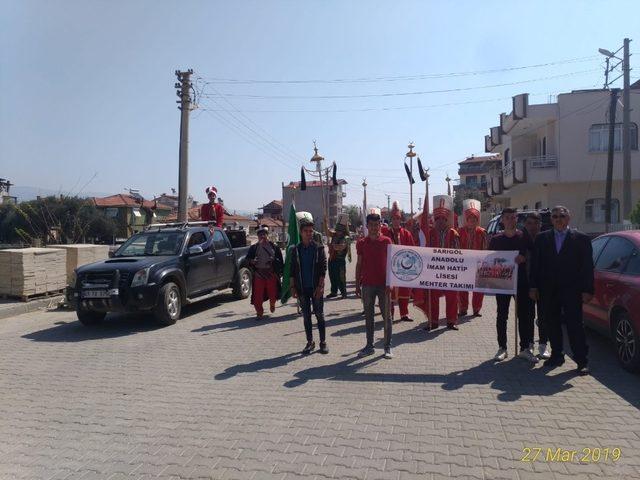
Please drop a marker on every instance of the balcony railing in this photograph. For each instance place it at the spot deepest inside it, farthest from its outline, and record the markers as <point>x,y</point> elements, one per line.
<point>542,161</point>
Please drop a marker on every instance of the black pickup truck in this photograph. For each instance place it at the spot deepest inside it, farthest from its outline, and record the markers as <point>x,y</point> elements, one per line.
<point>160,270</point>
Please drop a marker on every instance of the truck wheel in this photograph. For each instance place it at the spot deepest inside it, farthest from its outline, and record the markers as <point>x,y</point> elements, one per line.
<point>627,343</point>
<point>242,284</point>
<point>169,306</point>
<point>89,317</point>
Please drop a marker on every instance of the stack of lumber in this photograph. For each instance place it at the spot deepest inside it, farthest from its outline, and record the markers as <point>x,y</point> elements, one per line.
<point>26,272</point>
<point>82,254</point>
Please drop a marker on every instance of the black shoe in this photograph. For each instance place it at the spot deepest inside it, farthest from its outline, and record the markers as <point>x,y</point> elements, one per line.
<point>427,327</point>
<point>554,362</point>
<point>323,348</point>
<point>344,295</point>
<point>583,370</point>
<point>477,314</point>
<point>311,346</point>
<point>462,314</point>
<point>406,319</point>
<point>451,326</point>
<point>366,351</point>
<point>332,295</point>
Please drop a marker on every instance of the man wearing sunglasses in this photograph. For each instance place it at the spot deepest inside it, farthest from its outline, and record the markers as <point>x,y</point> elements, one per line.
<point>562,278</point>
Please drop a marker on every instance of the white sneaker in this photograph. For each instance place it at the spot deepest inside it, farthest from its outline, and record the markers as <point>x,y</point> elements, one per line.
<point>501,355</point>
<point>543,351</point>
<point>388,353</point>
<point>528,355</point>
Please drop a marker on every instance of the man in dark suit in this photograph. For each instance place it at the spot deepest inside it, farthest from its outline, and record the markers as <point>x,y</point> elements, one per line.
<point>561,277</point>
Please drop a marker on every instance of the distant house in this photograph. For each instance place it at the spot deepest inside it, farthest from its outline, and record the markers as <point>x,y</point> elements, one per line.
<point>172,201</point>
<point>131,212</point>
<point>230,220</point>
<point>272,209</point>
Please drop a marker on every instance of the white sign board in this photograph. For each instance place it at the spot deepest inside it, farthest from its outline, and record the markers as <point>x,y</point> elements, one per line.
<point>485,271</point>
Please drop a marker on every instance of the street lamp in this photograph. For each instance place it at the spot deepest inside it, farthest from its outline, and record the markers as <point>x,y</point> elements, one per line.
<point>411,154</point>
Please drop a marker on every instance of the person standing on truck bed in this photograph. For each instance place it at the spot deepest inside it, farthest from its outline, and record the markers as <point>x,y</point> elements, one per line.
<point>212,211</point>
<point>308,269</point>
<point>265,259</point>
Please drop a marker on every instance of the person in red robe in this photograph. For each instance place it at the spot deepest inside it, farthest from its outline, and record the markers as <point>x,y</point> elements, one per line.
<point>212,211</point>
<point>400,236</point>
<point>441,235</point>
<point>472,237</point>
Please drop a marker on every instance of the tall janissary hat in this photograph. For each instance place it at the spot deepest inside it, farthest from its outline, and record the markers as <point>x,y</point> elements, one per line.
<point>395,210</point>
<point>471,207</point>
<point>442,206</point>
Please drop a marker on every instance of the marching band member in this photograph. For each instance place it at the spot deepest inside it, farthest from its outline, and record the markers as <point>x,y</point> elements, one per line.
<point>339,251</point>
<point>212,211</point>
<point>400,236</point>
<point>472,237</point>
<point>441,235</point>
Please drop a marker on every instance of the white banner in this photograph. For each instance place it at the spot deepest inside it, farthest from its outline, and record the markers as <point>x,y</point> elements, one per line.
<point>485,271</point>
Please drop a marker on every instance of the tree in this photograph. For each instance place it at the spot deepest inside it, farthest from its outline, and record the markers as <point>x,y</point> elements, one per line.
<point>469,192</point>
<point>635,215</point>
<point>54,220</point>
<point>355,219</point>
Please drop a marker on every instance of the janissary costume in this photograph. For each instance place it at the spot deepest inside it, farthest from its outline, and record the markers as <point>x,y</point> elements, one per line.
<point>212,211</point>
<point>339,252</point>
<point>441,235</point>
<point>472,237</point>
<point>265,260</point>
<point>400,236</point>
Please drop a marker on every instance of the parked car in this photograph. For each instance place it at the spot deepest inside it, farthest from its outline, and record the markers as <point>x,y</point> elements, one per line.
<point>494,225</point>
<point>160,270</point>
<point>615,308</point>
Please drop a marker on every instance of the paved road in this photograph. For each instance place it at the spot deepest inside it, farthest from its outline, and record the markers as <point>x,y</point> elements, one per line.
<point>221,396</point>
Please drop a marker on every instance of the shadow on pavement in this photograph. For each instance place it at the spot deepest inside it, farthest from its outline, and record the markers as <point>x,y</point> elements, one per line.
<point>504,376</point>
<point>606,369</point>
<point>246,322</point>
<point>265,364</point>
<point>113,326</point>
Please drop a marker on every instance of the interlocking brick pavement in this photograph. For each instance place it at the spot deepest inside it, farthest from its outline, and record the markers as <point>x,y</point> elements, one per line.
<point>219,395</point>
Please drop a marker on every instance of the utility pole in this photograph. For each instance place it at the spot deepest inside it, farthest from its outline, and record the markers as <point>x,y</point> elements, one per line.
<point>184,93</point>
<point>612,124</point>
<point>626,137</point>
<point>448,180</point>
<point>388,203</point>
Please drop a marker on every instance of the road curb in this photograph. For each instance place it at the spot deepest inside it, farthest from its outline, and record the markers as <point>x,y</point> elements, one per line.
<point>20,308</point>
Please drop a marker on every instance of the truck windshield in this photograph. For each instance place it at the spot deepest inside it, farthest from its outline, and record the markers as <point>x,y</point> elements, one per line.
<point>152,244</point>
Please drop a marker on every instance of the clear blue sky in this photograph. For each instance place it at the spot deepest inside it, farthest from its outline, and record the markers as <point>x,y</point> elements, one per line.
<point>87,87</point>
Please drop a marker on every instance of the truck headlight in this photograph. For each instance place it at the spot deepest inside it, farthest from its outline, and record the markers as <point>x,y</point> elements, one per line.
<point>140,278</point>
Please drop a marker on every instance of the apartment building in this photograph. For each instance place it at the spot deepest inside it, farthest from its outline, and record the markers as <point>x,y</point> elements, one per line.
<point>556,153</point>
<point>310,200</point>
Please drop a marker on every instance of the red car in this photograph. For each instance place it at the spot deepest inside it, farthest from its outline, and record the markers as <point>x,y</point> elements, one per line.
<point>615,308</point>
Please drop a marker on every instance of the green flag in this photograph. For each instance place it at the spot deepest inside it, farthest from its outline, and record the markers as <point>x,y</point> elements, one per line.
<point>294,239</point>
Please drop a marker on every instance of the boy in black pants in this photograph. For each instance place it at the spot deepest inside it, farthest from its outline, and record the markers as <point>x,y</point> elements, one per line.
<point>308,269</point>
<point>512,239</point>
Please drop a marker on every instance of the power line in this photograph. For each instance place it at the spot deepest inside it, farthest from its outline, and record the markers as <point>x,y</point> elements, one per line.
<point>245,137</point>
<point>398,94</point>
<point>396,78</point>
<point>280,146</point>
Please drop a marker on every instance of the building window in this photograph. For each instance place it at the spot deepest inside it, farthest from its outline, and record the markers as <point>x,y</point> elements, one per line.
<point>471,180</point>
<point>483,179</point>
<point>599,137</point>
<point>507,157</point>
<point>111,212</point>
<point>538,205</point>
<point>136,212</point>
<point>595,210</point>
<point>543,146</point>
